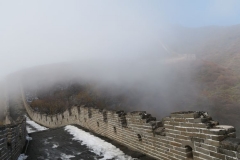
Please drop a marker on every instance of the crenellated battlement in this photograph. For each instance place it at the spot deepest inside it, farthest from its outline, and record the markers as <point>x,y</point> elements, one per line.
<point>205,137</point>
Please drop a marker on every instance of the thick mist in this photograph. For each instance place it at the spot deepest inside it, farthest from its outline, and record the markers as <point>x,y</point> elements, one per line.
<point>40,32</point>
<point>158,86</point>
<point>143,50</point>
<point>43,32</point>
<point>160,81</point>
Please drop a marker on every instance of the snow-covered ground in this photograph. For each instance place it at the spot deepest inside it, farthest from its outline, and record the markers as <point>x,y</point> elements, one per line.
<point>53,147</point>
<point>22,157</point>
<point>30,130</point>
<point>97,145</point>
<point>33,126</point>
<point>66,157</point>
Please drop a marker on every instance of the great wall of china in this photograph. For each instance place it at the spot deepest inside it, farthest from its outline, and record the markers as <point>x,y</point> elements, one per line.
<point>181,136</point>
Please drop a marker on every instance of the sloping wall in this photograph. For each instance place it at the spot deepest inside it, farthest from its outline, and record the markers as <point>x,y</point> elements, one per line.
<point>182,135</point>
<point>12,140</point>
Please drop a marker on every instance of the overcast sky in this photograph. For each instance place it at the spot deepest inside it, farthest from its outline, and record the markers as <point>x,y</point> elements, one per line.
<point>49,31</point>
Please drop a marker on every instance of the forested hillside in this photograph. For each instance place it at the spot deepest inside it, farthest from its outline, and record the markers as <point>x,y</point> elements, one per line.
<point>220,91</point>
<point>58,99</point>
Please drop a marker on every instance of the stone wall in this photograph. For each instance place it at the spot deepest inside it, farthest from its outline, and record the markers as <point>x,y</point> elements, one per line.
<point>12,140</point>
<point>182,135</point>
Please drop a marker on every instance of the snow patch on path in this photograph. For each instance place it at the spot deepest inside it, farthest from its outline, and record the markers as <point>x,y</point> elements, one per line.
<point>98,146</point>
<point>22,157</point>
<point>35,125</point>
<point>66,157</point>
<point>30,130</point>
<point>28,138</point>
<point>55,146</point>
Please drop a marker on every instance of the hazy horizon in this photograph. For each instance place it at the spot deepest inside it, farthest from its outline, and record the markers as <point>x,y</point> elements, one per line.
<point>35,33</point>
